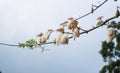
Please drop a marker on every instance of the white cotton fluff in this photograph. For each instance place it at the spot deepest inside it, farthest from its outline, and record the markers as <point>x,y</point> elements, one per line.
<point>44,38</point>
<point>58,38</point>
<point>76,32</point>
<point>69,24</point>
<point>111,34</point>
<point>47,35</point>
<point>64,39</point>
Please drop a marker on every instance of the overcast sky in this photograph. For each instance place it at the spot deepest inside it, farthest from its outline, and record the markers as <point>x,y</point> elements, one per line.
<point>21,20</point>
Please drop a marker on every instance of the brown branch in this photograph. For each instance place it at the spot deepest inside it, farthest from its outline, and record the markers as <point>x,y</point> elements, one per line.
<point>93,10</point>
<point>8,44</point>
<point>103,23</point>
<point>47,43</point>
<point>87,31</point>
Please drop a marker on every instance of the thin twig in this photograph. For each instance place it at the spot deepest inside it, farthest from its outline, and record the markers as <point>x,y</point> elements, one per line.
<point>103,23</point>
<point>86,31</point>
<point>93,10</point>
<point>8,44</point>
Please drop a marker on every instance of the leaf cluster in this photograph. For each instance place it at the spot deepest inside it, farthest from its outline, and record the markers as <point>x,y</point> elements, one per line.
<point>29,44</point>
<point>107,50</point>
<point>111,51</point>
<point>114,24</point>
<point>113,67</point>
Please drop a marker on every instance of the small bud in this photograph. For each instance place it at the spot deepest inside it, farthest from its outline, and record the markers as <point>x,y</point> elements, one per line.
<point>118,38</point>
<point>99,23</point>
<point>71,18</point>
<point>115,0</point>
<point>64,24</point>
<point>39,35</point>
<point>100,18</point>
<point>92,10</point>
<point>117,13</point>
<point>50,30</point>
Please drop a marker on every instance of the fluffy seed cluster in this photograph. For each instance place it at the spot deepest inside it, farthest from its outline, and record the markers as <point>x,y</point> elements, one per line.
<point>45,37</point>
<point>111,34</point>
<point>62,38</point>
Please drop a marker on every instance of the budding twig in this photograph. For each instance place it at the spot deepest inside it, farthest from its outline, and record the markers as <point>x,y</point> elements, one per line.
<point>84,31</point>
<point>103,23</point>
<point>93,10</point>
<point>89,30</point>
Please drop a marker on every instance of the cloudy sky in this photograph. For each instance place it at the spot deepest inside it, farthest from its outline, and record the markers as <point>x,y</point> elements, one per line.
<point>21,20</point>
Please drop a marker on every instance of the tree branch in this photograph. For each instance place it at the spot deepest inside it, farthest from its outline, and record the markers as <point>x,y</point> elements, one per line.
<point>8,44</point>
<point>103,23</point>
<point>93,10</point>
<point>86,31</point>
<point>89,30</point>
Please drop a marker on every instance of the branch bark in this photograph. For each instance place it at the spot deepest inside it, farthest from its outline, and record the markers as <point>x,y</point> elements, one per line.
<point>92,11</point>
<point>87,31</point>
<point>103,23</point>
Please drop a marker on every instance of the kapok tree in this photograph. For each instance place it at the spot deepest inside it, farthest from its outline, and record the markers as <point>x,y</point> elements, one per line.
<point>110,50</point>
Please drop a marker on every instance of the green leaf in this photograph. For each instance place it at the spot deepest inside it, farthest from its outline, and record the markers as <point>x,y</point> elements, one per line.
<point>117,13</point>
<point>54,41</point>
<point>29,44</point>
<point>118,38</point>
<point>103,69</point>
<point>21,45</point>
<point>110,46</point>
<point>107,50</point>
<point>118,25</point>
<point>112,24</point>
<point>118,46</point>
<point>104,50</point>
<point>104,44</point>
<point>117,70</point>
<point>32,41</point>
<point>109,68</point>
<point>99,23</point>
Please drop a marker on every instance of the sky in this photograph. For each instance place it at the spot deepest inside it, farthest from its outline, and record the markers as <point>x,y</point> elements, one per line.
<point>21,20</point>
